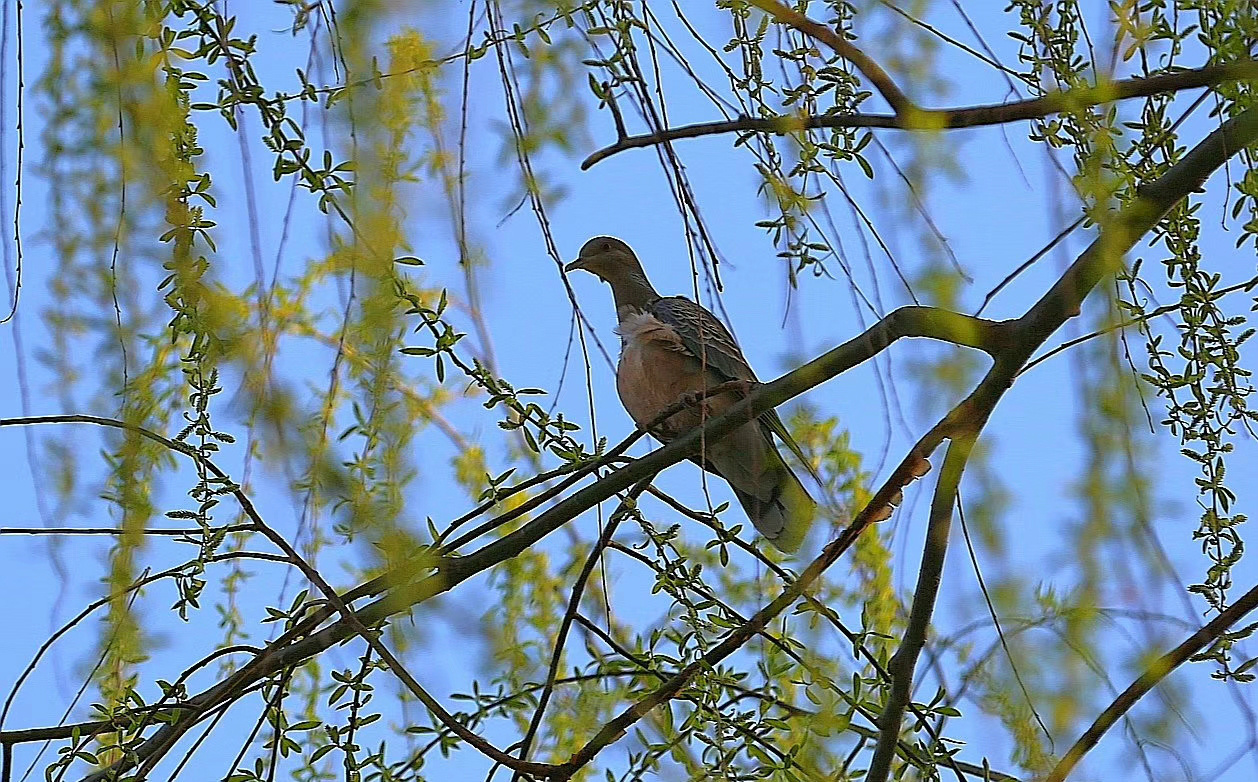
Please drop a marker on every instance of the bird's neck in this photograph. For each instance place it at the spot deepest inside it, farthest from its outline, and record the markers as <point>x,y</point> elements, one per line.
<point>633,293</point>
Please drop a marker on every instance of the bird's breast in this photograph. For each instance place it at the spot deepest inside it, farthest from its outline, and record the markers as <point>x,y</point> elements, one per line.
<point>655,370</point>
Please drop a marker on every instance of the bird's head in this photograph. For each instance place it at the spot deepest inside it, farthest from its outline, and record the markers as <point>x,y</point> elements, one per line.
<point>609,259</point>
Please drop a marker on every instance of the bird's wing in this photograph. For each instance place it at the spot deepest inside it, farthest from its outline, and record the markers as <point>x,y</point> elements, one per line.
<point>705,337</point>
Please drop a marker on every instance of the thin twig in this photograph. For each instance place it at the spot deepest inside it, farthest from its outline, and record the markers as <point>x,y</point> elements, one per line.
<point>882,82</point>
<point>190,531</point>
<point>574,603</point>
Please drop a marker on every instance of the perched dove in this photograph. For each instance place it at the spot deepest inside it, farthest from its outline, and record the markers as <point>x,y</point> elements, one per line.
<point>674,349</point>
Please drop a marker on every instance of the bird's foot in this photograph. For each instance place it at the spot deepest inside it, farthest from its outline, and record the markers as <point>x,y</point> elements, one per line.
<point>691,398</point>
<point>695,400</point>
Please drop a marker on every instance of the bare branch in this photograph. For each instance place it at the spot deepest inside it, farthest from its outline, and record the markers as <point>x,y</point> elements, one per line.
<point>951,119</point>
<point>929,577</point>
<point>1155,673</point>
<point>574,604</point>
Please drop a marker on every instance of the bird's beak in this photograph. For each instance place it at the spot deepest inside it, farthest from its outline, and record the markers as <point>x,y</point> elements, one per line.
<point>574,265</point>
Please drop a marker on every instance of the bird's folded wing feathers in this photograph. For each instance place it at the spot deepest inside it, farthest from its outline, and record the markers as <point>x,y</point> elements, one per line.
<point>704,336</point>
<point>708,340</point>
<point>771,419</point>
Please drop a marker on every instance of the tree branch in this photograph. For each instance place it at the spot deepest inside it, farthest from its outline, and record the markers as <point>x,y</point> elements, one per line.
<point>1155,673</point>
<point>930,575</point>
<point>376,643</point>
<point>909,469</point>
<point>950,119</point>
<point>891,93</point>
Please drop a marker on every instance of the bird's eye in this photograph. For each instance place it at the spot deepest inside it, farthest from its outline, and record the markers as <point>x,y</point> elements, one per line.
<point>607,246</point>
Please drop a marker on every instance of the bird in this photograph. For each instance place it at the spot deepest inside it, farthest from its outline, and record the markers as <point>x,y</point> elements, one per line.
<point>674,350</point>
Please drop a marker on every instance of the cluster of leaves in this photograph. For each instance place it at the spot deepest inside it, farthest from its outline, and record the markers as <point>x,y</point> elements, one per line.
<point>1198,369</point>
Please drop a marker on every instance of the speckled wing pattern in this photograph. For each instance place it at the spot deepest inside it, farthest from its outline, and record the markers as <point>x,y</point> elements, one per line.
<point>704,336</point>
<point>709,341</point>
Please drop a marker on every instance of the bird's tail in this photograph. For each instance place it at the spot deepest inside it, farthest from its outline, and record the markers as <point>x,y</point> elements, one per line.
<point>780,508</point>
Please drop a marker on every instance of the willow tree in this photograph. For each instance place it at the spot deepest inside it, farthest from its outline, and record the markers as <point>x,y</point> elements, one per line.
<point>313,518</point>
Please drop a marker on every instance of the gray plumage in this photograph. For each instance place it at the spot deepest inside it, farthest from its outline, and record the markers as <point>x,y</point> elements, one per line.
<point>672,346</point>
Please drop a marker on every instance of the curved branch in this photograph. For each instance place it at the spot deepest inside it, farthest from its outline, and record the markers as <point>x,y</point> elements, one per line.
<point>882,82</point>
<point>950,119</point>
<point>94,606</point>
<point>570,613</point>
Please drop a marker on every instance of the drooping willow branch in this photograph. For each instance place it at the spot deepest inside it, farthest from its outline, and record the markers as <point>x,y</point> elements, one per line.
<point>949,119</point>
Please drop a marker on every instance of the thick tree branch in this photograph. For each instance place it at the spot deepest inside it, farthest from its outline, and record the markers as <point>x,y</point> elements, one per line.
<point>929,577</point>
<point>989,336</point>
<point>950,119</point>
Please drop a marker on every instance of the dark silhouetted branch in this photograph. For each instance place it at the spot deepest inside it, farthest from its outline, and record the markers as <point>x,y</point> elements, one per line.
<point>929,577</point>
<point>1155,673</point>
<point>949,119</point>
